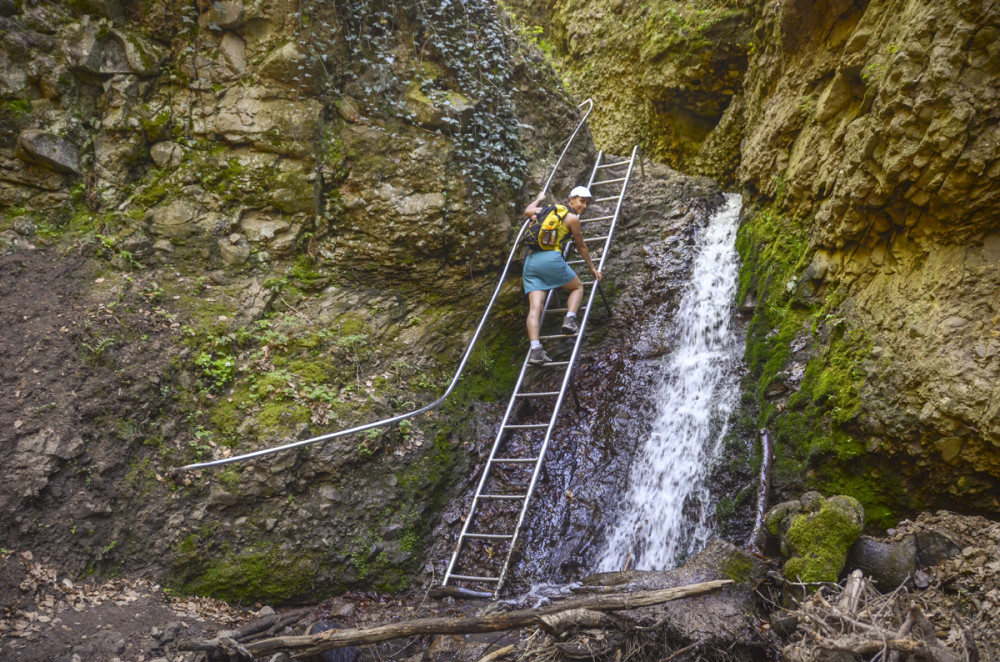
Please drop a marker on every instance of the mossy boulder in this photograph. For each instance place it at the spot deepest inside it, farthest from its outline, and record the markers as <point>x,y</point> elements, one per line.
<point>815,534</point>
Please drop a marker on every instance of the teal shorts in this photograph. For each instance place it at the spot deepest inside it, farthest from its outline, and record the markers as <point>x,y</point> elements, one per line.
<point>546,270</point>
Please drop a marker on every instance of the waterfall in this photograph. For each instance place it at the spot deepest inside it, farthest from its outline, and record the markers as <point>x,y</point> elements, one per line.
<point>667,509</point>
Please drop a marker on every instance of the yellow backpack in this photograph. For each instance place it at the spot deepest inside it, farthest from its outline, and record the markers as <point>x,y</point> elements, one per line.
<point>546,230</point>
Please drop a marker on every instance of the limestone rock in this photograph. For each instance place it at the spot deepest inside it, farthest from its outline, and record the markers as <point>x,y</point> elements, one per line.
<point>233,50</point>
<point>227,15</point>
<point>48,150</point>
<point>49,442</point>
<point>270,231</point>
<point>173,218</point>
<point>234,249</point>
<point>271,125</point>
<point>166,154</point>
<point>450,110</point>
<point>282,65</point>
<point>100,53</point>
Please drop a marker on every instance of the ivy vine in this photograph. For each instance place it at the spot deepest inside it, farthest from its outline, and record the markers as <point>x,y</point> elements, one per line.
<point>469,39</point>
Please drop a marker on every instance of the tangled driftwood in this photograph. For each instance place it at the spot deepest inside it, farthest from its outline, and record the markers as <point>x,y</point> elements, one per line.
<point>857,619</point>
<point>577,613</point>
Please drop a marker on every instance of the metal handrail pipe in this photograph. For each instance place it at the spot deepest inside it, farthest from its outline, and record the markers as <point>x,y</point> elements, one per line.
<point>458,373</point>
<point>569,142</point>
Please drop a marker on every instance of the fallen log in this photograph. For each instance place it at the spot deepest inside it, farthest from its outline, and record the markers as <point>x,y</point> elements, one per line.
<point>314,644</point>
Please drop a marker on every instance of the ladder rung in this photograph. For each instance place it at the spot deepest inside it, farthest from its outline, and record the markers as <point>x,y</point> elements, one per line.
<point>551,364</point>
<point>558,336</point>
<point>613,197</point>
<point>488,536</point>
<point>526,426</point>
<point>540,393</point>
<point>597,218</point>
<point>609,181</point>
<point>514,460</point>
<point>502,496</point>
<point>470,578</point>
<point>563,310</point>
<point>595,238</point>
<point>612,165</point>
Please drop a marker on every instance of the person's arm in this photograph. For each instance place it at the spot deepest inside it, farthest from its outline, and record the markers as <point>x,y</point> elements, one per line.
<point>572,221</point>
<point>535,206</point>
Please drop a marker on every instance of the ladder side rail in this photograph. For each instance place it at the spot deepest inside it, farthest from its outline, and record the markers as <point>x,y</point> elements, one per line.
<point>489,462</point>
<point>482,479</point>
<point>618,206</point>
<point>563,387</point>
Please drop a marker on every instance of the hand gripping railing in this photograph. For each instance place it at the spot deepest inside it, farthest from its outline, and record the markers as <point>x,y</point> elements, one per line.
<point>461,365</point>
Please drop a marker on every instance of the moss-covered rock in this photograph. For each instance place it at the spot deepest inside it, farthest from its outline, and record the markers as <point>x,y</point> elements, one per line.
<point>815,535</point>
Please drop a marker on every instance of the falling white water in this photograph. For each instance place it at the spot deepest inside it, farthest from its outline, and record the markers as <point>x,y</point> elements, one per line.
<point>667,508</point>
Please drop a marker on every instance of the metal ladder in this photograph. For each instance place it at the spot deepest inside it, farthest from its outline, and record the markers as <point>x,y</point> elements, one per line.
<point>514,448</point>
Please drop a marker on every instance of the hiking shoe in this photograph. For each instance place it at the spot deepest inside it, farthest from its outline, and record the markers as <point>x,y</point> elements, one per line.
<point>537,356</point>
<point>571,325</point>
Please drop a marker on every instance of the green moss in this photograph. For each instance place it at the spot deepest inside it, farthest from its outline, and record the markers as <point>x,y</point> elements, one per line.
<point>307,276</point>
<point>879,490</point>
<point>738,568</point>
<point>820,542</point>
<point>282,416</point>
<point>15,107</point>
<point>154,125</point>
<point>225,415</point>
<point>230,477</point>
<point>140,480</point>
<point>270,575</point>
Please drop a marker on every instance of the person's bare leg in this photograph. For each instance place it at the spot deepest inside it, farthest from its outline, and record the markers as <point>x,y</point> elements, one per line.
<point>536,301</point>
<point>575,298</point>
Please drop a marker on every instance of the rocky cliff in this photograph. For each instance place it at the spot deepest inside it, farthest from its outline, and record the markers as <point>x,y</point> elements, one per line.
<point>864,135</point>
<point>226,225</point>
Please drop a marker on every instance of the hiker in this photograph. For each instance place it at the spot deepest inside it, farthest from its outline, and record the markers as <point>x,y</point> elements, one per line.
<point>545,270</point>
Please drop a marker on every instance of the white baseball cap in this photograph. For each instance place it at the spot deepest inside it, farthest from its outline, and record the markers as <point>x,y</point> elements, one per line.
<point>580,192</point>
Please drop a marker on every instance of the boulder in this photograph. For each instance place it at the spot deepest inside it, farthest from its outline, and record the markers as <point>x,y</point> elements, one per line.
<point>815,534</point>
<point>888,563</point>
<point>933,547</point>
<point>709,619</point>
<point>49,151</point>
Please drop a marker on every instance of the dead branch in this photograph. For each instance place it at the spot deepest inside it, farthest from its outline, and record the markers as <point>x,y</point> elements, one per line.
<point>497,654</point>
<point>323,641</point>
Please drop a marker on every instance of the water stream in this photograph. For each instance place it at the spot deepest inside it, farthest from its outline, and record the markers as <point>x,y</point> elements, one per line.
<point>666,511</point>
